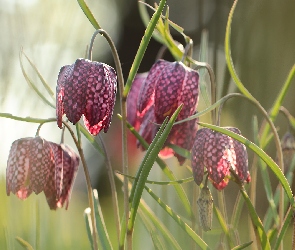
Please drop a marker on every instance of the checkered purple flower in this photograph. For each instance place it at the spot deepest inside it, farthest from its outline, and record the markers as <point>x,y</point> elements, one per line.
<point>86,88</point>
<point>219,153</point>
<point>36,165</point>
<point>162,90</point>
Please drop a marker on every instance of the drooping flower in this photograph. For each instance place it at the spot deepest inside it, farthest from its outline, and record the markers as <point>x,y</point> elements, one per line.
<point>36,165</point>
<point>86,88</point>
<point>166,86</point>
<point>219,154</point>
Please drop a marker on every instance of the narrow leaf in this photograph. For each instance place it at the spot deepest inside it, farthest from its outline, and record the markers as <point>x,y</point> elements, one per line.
<point>242,246</point>
<point>100,224</point>
<point>143,46</point>
<point>32,85</point>
<point>178,220</point>
<point>23,243</point>
<point>166,170</point>
<point>88,14</point>
<point>147,164</point>
<point>258,227</point>
<point>47,87</point>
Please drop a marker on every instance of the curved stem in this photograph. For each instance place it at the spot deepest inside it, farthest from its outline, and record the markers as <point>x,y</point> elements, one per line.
<point>124,118</point>
<point>89,188</point>
<point>113,187</point>
<point>213,84</point>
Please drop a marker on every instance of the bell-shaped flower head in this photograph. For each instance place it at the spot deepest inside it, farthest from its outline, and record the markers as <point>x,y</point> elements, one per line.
<point>86,88</point>
<point>36,165</point>
<point>219,154</point>
<point>163,89</point>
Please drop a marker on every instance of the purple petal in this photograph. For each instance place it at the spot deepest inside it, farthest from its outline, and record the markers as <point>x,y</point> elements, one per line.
<point>132,100</point>
<point>167,90</point>
<point>148,89</point>
<point>197,155</point>
<point>189,94</point>
<point>75,90</point>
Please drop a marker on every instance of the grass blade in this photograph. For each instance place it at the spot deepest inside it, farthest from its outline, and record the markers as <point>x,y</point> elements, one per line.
<point>147,163</point>
<point>178,220</point>
<point>32,85</point>
<point>24,244</point>
<point>257,224</point>
<point>100,224</point>
<point>166,170</point>
<point>88,14</point>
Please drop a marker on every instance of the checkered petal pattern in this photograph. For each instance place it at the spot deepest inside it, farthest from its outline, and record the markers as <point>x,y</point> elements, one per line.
<point>28,166</point>
<point>162,90</point>
<point>36,165</point>
<point>86,88</point>
<point>219,153</point>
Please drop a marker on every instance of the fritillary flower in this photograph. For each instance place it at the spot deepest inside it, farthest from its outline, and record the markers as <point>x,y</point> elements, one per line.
<point>162,90</point>
<point>36,165</point>
<point>219,154</point>
<point>86,88</point>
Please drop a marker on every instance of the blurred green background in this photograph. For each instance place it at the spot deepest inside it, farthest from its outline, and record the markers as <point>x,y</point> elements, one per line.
<point>54,33</point>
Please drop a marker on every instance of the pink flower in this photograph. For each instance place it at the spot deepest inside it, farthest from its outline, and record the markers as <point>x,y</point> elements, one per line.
<point>162,90</point>
<point>36,165</point>
<point>86,88</point>
<point>219,153</point>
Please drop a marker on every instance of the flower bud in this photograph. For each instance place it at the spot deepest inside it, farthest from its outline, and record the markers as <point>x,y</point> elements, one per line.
<point>205,203</point>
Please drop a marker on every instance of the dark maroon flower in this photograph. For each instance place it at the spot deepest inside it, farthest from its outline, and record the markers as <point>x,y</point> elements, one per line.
<point>86,88</point>
<point>36,165</point>
<point>219,153</point>
<point>166,86</point>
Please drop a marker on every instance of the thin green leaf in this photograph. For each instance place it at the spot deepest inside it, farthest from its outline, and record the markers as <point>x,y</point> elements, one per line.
<point>242,246</point>
<point>91,139</point>
<point>166,170</point>
<point>147,163</point>
<point>178,220</point>
<point>100,224</point>
<point>46,86</point>
<point>181,151</point>
<point>289,176</point>
<point>143,46</point>
<point>88,14</point>
<point>289,217</point>
<point>23,243</point>
<point>267,159</point>
<point>277,104</point>
<point>145,210</point>
<point>228,57</point>
<point>88,226</point>
<point>258,227</point>
<point>204,58</point>
<point>32,85</point>
<point>223,225</point>
<point>189,179</point>
<point>158,244</point>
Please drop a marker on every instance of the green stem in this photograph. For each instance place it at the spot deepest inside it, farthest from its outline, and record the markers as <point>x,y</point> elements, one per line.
<point>89,188</point>
<point>124,118</point>
<point>143,46</point>
<point>113,188</point>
